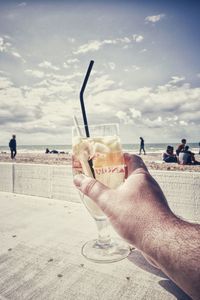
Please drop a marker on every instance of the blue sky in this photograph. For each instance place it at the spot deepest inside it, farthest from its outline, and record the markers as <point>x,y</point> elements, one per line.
<point>146,74</point>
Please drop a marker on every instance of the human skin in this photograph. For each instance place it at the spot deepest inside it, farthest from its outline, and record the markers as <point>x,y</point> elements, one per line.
<point>139,212</point>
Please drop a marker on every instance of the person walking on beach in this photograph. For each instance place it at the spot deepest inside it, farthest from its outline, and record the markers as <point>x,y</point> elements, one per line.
<point>142,146</point>
<point>13,147</point>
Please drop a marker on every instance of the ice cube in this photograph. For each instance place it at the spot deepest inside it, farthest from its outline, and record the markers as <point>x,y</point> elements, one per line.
<point>115,146</point>
<point>82,147</point>
<point>109,139</point>
<point>101,148</point>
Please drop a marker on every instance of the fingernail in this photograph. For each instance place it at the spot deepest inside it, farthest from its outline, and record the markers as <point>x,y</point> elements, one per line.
<point>78,179</point>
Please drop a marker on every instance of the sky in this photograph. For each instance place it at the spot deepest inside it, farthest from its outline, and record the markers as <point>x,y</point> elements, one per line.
<point>146,72</point>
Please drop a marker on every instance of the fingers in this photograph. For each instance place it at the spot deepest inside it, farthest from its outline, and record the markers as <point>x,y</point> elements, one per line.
<point>134,164</point>
<point>101,194</point>
<point>95,190</point>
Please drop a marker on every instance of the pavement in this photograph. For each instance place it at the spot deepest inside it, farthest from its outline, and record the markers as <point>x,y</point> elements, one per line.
<point>40,257</point>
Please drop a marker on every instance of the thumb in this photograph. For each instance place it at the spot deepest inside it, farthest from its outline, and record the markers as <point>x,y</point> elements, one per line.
<point>98,192</point>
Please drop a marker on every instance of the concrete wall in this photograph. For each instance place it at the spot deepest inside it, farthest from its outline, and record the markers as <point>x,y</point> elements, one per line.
<point>48,181</point>
<point>182,189</point>
<point>6,177</point>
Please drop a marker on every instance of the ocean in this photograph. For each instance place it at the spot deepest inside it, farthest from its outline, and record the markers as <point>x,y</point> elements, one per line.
<point>132,148</point>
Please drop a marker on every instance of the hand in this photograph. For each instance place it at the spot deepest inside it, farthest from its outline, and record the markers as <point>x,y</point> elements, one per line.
<point>136,207</point>
<point>139,212</point>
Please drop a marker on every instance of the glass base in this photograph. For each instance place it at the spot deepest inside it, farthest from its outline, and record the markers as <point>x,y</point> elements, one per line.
<point>113,251</point>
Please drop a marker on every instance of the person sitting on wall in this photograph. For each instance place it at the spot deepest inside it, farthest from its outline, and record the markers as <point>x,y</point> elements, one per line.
<point>169,156</point>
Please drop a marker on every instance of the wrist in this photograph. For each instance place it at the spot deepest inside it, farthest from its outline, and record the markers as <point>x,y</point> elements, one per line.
<point>156,234</point>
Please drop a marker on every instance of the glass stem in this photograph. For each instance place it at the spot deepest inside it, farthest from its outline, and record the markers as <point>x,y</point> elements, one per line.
<point>103,232</point>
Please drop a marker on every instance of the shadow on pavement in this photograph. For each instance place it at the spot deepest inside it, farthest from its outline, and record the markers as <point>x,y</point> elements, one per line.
<point>172,288</point>
<point>138,259</point>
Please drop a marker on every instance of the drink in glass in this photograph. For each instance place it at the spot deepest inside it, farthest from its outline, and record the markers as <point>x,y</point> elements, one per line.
<point>100,156</point>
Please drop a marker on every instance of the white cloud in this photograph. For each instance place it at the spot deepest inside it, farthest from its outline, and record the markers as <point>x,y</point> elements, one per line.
<point>198,75</point>
<point>183,123</point>
<point>53,85</point>
<point>138,38</point>
<point>42,108</point>
<point>74,75</point>
<point>154,18</point>
<point>17,111</point>
<point>176,79</point>
<point>16,54</point>
<point>71,40</point>
<point>95,45</point>
<point>110,42</point>
<point>132,68</point>
<point>100,84</point>
<point>5,83</point>
<point>90,46</point>
<point>143,50</point>
<point>66,66</point>
<point>112,65</point>
<point>72,60</point>
<point>35,73</point>
<point>160,107</point>
<point>125,47</point>
<point>125,40</point>
<point>135,113</point>
<point>39,109</point>
<point>124,117</point>
<point>22,4</point>
<point>135,68</point>
<point>4,45</point>
<point>154,123</point>
<point>48,65</point>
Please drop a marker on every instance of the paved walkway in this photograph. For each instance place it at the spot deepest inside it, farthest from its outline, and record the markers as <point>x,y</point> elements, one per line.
<point>40,242</point>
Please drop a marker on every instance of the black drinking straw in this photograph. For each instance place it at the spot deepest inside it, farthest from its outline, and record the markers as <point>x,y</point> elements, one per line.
<point>83,108</point>
<point>82,100</point>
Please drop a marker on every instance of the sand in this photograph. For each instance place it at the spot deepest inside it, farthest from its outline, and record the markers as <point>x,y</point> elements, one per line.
<point>152,160</point>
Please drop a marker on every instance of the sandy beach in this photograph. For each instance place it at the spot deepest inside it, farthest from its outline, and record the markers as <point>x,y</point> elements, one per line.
<point>152,160</point>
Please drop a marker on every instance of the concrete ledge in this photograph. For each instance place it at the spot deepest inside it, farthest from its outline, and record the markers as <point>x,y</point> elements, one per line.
<point>49,181</point>
<point>32,180</point>
<point>6,177</point>
<point>182,189</point>
<point>62,187</point>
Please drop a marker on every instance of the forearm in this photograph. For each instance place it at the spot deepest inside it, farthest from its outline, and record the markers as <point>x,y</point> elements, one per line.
<point>175,247</point>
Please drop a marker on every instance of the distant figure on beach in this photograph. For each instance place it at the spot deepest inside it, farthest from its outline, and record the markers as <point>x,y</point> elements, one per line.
<point>169,156</point>
<point>142,146</point>
<point>180,147</point>
<point>186,157</point>
<point>199,147</point>
<point>13,147</point>
<point>54,151</point>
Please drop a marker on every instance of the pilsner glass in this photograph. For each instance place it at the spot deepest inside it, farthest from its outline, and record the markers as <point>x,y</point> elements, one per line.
<point>100,155</point>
